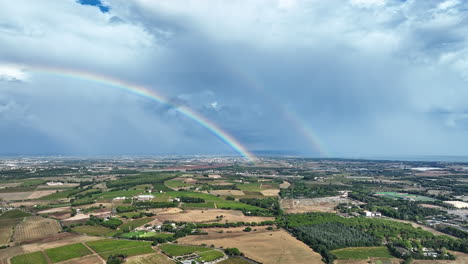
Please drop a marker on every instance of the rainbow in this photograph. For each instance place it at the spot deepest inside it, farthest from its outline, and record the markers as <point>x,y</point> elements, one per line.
<point>308,134</point>
<point>147,93</point>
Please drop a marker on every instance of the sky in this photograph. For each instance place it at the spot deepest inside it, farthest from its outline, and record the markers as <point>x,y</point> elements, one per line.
<point>335,78</point>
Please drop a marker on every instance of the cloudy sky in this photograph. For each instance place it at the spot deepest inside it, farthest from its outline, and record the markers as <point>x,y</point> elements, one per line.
<point>318,78</point>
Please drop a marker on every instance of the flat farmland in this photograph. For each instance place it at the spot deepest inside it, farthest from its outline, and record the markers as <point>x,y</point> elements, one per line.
<point>150,259</point>
<point>275,246</point>
<point>209,215</point>
<point>35,227</point>
<point>54,210</point>
<point>227,192</point>
<point>270,192</point>
<point>51,241</point>
<point>15,196</point>
<point>372,261</point>
<point>90,259</point>
<point>39,194</point>
<point>323,204</point>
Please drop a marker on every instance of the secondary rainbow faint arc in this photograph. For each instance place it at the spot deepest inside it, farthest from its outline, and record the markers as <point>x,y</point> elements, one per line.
<point>150,94</point>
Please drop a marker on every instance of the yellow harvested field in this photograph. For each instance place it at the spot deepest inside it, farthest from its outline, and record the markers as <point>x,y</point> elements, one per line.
<point>227,192</point>
<point>15,196</point>
<point>209,215</point>
<point>268,247</point>
<point>54,210</point>
<point>285,185</point>
<point>90,259</point>
<point>270,192</point>
<point>164,211</point>
<point>39,194</point>
<point>35,227</point>
<point>159,258</point>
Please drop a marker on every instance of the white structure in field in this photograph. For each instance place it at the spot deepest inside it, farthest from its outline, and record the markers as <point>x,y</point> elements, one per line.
<point>372,214</point>
<point>54,183</point>
<point>457,204</point>
<point>145,197</point>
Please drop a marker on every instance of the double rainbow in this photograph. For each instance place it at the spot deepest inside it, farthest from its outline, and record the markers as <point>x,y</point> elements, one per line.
<point>150,94</point>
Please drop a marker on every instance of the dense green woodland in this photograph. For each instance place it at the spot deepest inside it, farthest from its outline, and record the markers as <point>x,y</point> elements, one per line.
<point>325,232</point>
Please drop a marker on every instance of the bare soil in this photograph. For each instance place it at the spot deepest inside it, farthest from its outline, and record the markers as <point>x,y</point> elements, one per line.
<point>270,192</point>
<point>15,196</point>
<point>35,227</point>
<point>268,247</point>
<point>323,204</point>
<point>227,192</point>
<point>201,216</point>
<point>39,194</point>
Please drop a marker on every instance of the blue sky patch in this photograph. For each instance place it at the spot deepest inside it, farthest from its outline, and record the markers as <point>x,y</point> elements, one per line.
<point>97,3</point>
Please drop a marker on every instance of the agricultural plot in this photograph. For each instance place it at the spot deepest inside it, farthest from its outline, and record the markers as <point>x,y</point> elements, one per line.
<point>6,229</point>
<point>211,201</point>
<point>323,204</point>
<point>150,259</point>
<point>15,196</point>
<point>145,234</point>
<point>178,183</point>
<point>89,259</point>
<point>112,194</point>
<point>35,227</point>
<point>179,250</point>
<point>115,244</point>
<point>67,252</point>
<point>207,216</point>
<point>39,194</point>
<point>135,223</point>
<point>275,246</point>
<point>397,195</point>
<point>235,260</point>
<point>135,251</point>
<point>362,253</point>
<point>35,257</point>
<point>94,230</point>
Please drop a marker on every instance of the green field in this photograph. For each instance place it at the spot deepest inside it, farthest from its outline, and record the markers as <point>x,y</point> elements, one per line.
<point>177,184</point>
<point>12,214</point>
<point>94,230</point>
<point>145,234</point>
<point>211,200</point>
<point>135,223</point>
<point>35,257</point>
<point>362,253</point>
<point>128,251</point>
<point>113,194</point>
<point>58,195</point>
<point>67,252</point>
<point>397,195</point>
<point>115,244</point>
<point>179,250</point>
<point>210,256</point>
<point>32,182</point>
<point>129,214</point>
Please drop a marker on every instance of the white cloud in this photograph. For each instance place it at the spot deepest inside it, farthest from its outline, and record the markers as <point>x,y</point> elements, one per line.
<point>12,74</point>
